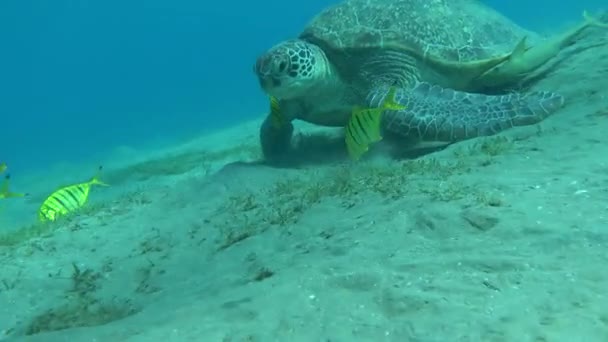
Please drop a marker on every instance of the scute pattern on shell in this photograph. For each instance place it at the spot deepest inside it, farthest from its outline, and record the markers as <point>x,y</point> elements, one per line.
<point>455,30</point>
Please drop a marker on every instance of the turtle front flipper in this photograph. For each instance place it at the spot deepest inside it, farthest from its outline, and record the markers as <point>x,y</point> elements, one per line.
<point>438,114</point>
<point>275,134</point>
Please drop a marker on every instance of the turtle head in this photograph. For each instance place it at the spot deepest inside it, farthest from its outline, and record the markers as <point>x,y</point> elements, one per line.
<point>291,68</point>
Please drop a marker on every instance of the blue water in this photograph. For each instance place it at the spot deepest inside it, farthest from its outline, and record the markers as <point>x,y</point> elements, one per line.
<point>78,78</point>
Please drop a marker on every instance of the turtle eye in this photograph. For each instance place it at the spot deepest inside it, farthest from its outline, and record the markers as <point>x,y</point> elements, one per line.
<point>282,66</point>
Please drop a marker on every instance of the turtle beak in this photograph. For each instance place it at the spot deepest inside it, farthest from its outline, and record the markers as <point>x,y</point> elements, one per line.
<point>268,83</point>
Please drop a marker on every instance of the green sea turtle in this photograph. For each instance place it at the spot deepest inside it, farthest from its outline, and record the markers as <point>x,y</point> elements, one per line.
<point>428,51</point>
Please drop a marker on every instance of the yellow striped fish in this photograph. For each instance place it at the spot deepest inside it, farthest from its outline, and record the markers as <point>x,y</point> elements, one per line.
<point>3,167</point>
<point>363,128</point>
<point>67,199</point>
<point>278,119</point>
<point>4,190</point>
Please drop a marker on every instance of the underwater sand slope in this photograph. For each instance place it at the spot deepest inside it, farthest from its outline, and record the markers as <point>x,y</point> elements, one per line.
<point>495,239</point>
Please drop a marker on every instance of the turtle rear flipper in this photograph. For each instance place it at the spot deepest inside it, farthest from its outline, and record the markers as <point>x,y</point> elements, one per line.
<point>438,114</point>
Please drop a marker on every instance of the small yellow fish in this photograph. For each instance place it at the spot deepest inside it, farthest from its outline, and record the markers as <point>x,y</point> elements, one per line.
<point>3,167</point>
<point>67,199</point>
<point>278,119</point>
<point>4,190</point>
<point>363,128</point>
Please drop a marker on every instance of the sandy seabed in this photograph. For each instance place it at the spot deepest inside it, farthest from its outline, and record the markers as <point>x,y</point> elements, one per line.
<point>503,238</point>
